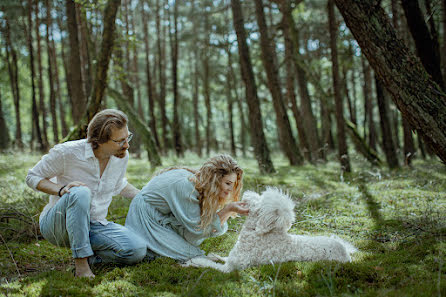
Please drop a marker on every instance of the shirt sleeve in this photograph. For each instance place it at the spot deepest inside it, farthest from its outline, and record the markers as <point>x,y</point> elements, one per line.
<point>122,180</point>
<point>51,165</point>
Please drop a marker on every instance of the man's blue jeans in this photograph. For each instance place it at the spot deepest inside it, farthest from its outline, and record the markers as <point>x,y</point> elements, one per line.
<point>68,224</point>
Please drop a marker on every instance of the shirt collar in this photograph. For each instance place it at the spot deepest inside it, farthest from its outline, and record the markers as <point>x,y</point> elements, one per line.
<point>88,150</point>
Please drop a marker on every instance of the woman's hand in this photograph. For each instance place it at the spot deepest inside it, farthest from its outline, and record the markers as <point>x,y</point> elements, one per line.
<point>239,207</point>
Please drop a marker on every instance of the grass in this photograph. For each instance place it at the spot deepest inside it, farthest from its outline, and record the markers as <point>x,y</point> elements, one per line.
<point>396,219</point>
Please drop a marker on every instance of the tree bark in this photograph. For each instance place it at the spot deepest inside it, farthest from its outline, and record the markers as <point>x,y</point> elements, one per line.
<point>78,96</point>
<point>59,101</point>
<point>84,49</point>
<point>14,81</point>
<point>290,94</point>
<point>261,150</point>
<point>340,123</point>
<point>150,89</point>
<point>308,118</point>
<point>42,107</point>
<point>420,100</point>
<point>161,79</point>
<point>268,55</point>
<point>424,41</point>
<point>35,111</point>
<point>4,136</point>
<point>443,58</point>
<point>388,143</point>
<point>51,79</point>
<point>139,125</point>
<point>368,106</point>
<point>234,86</point>
<point>176,100</point>
<point>408,147</point>
<point>100,82</point>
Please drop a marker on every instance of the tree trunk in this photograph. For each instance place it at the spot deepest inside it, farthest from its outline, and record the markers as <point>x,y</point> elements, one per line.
<point>35,111</point>
<point>290,94</point>
<point>387,138</point>
<point>59,101</point>
<point>65,64</point>
<point>229,106</point>
<point>424,41</point>
<point>350,104</point>
<point>14,81</point>
<point>136,71</point>
<point>42,108</point>
<point>368,106</point>
<point>268,55</point>
<point>194,57</point>
<point>78,97</point>
<point>340,123</point>
<point>420,100</point>
<point>108,37</point>
<point>233,85</point>
<point>139,125</point>
<point>161,80</point>
<point>4,136</point>
<point>261,150</point>
<point>443,58</point>
<point>150,89</point>
<point>100,82</point>
<point>308,118</point>
<point>176,100</point>
<point>84,49</point>
<point>51,79</point>
<point>409,146</point>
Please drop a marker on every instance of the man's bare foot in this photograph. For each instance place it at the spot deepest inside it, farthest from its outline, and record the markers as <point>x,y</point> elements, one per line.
<point>82,268</point>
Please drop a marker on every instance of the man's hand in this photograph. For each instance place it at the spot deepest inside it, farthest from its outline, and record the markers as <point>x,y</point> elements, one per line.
<point>67,188</point>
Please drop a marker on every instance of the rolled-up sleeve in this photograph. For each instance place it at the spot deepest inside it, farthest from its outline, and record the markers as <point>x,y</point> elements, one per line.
<point>51,165</point>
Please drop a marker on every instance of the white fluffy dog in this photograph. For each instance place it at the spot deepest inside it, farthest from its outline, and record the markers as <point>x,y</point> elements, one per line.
<point>264,238</point>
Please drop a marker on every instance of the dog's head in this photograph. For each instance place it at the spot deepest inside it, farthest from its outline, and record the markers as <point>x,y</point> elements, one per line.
<point>274,211</point>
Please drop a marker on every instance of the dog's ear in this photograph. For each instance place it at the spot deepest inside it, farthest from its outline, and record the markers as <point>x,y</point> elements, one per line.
<point>266,221</point>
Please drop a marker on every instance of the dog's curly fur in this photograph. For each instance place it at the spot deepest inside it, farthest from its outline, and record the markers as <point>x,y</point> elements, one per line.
<point>264,238</point>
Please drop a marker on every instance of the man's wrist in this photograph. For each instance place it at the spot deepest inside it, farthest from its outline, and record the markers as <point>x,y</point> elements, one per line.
<point>60,190</point>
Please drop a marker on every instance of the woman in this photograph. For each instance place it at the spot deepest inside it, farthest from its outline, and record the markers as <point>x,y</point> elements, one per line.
<point>180,207</point>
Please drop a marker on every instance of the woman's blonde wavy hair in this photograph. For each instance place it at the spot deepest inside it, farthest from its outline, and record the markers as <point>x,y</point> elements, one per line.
<point>207,182</point>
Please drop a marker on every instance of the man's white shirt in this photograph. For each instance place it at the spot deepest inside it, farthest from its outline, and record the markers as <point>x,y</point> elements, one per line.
<point>75,161</point>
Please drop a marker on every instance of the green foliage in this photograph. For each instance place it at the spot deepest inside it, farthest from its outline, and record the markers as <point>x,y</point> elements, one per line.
<point>395,218</point>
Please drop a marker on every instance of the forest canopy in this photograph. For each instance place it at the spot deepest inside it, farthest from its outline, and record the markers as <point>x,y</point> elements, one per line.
<point>303,78</point>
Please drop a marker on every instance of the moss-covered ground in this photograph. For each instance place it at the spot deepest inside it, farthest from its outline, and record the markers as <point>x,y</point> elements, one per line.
<point>397,219</point>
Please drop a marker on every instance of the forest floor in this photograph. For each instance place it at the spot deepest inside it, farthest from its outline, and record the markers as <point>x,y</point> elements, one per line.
<point>397,220</point>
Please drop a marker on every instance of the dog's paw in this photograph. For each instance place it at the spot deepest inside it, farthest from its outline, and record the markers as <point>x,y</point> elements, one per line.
<point>215,257</point>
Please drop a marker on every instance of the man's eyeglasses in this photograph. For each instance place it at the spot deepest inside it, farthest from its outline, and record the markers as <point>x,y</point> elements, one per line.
<point>122,142</point>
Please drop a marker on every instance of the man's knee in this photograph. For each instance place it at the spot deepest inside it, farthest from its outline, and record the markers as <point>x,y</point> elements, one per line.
<point>134,253</point>
<point>80,196</point>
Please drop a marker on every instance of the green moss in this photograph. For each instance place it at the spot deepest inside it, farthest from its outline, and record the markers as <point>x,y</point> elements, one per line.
<point>395,218</point>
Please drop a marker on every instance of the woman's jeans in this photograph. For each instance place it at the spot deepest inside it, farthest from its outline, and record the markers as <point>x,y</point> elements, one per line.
<point>68,224</point>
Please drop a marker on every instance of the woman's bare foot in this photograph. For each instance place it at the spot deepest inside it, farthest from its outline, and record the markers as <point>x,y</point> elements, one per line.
<point>82,268</point>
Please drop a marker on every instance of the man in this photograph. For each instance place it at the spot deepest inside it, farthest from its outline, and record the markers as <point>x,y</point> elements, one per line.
<point>82,176</point>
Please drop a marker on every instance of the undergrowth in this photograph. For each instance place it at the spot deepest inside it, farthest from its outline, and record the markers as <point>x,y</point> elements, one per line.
<point>395,218</point>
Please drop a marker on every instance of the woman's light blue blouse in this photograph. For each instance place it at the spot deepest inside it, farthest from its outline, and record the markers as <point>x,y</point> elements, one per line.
<point>166,214</point>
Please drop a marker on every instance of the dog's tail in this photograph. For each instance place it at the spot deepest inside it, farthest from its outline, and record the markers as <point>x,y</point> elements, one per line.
<point>350,248</point>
